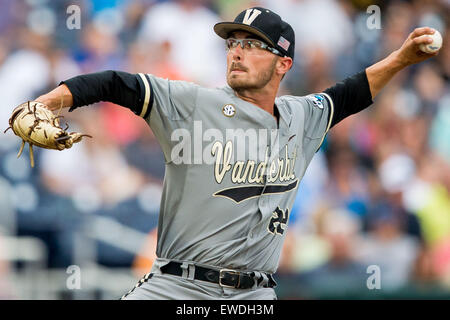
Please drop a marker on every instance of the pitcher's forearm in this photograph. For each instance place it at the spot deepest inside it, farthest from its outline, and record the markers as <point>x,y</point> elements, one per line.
<point>122,88</point>
<point>380,73</point>
<point>54,98</point>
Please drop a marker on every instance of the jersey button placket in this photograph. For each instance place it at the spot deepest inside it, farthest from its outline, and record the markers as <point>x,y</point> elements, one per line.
<point>262,200</point>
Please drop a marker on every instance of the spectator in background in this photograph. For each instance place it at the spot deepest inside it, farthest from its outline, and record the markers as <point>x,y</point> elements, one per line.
<point>195,50</point>
<point>387,247</point>
<point>316,48</point>
<point>335,33</point>
<point>399,18</point>
<point>6,288</point>
<point>439,133</point>
<point>154,58</point>
<point>428,195</point>
<point>309,198</point>
<point>347,188</point>
<point>342,274</point>
<point>96,161</point>
<point>147,254</point>
<point>444,60</point>
<point>396,173</point>
<point>100,48</point>
<point>25,72</point>
<point>430,87</point>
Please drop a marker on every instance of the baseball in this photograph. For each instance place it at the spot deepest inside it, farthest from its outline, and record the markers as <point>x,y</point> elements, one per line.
<point>435,45</point>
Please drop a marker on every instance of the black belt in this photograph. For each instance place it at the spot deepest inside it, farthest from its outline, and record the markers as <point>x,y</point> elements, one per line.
<point>224,277</point>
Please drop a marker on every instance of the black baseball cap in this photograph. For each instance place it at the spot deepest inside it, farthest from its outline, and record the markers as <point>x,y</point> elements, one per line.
<point>263,23</point>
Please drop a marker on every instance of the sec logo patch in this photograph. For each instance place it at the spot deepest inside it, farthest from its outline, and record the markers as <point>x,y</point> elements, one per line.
<point>229,110</point>
<point>317,100</point>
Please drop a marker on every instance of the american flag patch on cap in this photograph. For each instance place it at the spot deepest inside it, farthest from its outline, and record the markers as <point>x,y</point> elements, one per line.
<point>282,42</point>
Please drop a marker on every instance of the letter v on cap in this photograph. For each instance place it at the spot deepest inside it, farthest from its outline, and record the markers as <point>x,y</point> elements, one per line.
<point>248,19</point>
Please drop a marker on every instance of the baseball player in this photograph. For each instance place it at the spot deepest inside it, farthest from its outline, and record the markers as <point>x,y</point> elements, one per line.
<point>225,209</point>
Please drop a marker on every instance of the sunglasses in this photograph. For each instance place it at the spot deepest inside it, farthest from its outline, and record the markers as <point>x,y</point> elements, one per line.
<point>250,45</point>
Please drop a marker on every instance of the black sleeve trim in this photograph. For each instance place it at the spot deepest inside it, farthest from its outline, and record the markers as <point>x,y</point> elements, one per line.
<point>122,88</point>
<point>350,96</point>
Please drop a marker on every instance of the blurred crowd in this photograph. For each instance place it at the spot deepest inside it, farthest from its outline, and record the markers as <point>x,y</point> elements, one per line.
<point>376,194</point>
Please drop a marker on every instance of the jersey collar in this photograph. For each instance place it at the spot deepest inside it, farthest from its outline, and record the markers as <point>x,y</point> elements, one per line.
<point>282,111</point>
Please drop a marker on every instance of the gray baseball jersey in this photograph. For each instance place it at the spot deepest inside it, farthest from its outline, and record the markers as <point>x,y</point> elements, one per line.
<point>232,172</point>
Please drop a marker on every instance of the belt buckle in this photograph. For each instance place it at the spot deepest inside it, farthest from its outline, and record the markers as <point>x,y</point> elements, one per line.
<point>221,276</point>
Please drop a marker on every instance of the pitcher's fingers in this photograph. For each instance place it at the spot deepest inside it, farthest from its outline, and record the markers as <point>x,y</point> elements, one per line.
<point>423,39</point>
<point>421,31</point>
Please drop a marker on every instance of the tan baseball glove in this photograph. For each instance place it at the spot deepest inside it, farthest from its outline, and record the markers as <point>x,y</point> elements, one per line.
<point>34,123</point>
